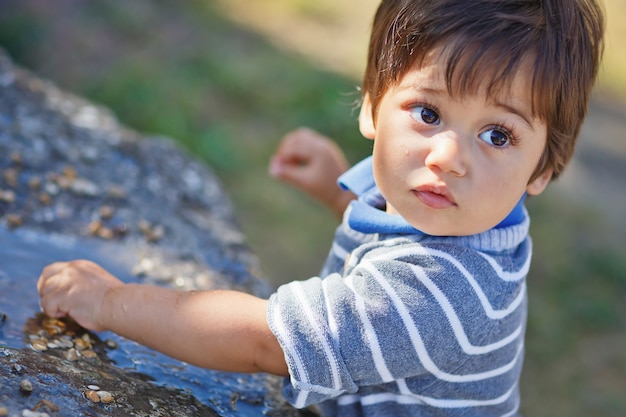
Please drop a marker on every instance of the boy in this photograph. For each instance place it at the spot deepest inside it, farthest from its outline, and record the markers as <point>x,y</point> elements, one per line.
<point>421,307</point>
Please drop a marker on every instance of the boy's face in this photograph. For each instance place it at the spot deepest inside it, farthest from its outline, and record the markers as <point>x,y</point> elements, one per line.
<point>451,165</point>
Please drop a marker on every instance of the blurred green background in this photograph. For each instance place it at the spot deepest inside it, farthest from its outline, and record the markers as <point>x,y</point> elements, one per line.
<point>227,78</point>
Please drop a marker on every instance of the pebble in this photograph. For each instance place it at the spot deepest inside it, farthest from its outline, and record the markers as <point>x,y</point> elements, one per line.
<point>11,177</point>
<point>8,196</point>
<point>45,199</point>
<point>93,387</point>
<point>14,220</point>
<point>106,233</point>
<point>81,344</point>
<point>84,187</point>
<point>34,183</point>
<point>26,385</point>
<point>106,397</point>
<point>39,345</point>
<point>16,158</point>
<point>92,396</point>
<point>4,411</point>
<point>106,212</point>
<point>72,355</point>
<point>65,343</point>
<point>48,404</point>
<point>29,413</point>
<point>88,354</point>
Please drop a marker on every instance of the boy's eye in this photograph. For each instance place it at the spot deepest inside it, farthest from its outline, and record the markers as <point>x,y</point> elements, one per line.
<point>425,115</point>
<point>495,137</point>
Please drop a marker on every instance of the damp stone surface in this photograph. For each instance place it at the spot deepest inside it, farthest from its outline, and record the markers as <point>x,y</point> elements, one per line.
<point>75,183</point>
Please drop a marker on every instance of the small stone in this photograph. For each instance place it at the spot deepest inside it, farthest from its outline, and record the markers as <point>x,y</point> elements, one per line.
<point>11,177</point>
<point>54,326</point>
<point>39,345</point>
<point>84,187</point>
<point>26,385</point>
<point>111,344</point>
<point>81,344</point>
<point>116,191</point>
<point>7,196</point>
<point>65,343</point>
<point>45,198</point>
<point>34,183</point>
<point>106,212</point>
<point>16,158</point>
<point>88,354</point>
<point>48,404</point>
<point>4,411</point>
<point>92,396</point>
<point>94,227</point>
<point>106,397</point>
<point>156,234</point>
<point>105,233</point>
<point>93,387</point>
<point>72,355</point>
<point>14,220</point>
<point>70,173</point>
<point>29,413</point>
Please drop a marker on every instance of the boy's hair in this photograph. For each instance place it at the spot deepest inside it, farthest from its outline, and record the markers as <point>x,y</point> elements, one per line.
<point>490,40</point>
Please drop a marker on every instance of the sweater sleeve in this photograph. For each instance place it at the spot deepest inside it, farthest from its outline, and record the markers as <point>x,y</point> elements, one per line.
<point>333,331</point>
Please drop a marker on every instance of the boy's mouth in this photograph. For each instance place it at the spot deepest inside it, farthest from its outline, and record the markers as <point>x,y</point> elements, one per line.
<point>434,196</point>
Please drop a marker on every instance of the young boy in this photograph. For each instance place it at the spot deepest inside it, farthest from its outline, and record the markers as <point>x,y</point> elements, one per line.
<point>421,306</point>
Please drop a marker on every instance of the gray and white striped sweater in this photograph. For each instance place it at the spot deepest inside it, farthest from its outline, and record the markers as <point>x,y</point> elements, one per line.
<point>406,324</point>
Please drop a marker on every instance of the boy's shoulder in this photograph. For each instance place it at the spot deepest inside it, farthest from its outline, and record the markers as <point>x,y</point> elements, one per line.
<point>463,254</point>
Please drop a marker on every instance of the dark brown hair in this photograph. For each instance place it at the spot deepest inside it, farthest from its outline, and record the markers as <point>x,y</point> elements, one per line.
<point>489,41</point>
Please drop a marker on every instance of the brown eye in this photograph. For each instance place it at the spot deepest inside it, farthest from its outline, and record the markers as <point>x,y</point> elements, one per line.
<point>495,137</point>
<point>425,115</point>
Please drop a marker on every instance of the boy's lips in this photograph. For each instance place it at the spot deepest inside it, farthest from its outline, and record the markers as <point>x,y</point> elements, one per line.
<point>434,196</point>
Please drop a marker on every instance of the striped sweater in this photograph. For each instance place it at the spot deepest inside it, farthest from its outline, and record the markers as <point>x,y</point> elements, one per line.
<point>405,324</point>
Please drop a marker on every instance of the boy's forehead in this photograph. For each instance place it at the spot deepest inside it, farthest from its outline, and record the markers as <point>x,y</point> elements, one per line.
<point>433,73</point>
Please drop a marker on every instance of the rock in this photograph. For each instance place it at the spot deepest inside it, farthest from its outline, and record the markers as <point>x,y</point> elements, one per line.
<point>74,183</point>
<point>26,385</point>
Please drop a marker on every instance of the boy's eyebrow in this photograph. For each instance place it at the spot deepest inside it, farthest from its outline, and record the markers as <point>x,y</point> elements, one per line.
<point>517,111</point>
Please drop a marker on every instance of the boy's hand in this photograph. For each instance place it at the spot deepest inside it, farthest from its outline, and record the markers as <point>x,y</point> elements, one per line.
<point>76,289</point>
<point>312,162</point>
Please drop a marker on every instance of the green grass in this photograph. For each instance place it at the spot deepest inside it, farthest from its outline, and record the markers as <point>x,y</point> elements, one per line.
<point>228,96</point>
<point>576,361</point>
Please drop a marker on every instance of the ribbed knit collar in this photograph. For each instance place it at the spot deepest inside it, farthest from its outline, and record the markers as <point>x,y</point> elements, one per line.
<point>364,214</point>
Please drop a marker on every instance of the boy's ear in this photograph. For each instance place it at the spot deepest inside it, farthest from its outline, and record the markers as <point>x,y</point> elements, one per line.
<point>540,183</point>
<point>366,118</point>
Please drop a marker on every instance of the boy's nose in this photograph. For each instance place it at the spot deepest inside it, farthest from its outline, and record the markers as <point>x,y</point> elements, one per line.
<point>447,154</point>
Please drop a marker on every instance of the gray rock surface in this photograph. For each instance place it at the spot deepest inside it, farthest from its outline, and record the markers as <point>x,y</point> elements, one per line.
<point>74,183</point>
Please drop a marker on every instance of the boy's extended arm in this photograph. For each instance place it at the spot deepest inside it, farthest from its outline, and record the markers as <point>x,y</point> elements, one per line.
<point>223,330</point>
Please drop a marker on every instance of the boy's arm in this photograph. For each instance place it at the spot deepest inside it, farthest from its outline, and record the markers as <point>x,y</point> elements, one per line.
<point>223,330</point>
<point>312,162</point>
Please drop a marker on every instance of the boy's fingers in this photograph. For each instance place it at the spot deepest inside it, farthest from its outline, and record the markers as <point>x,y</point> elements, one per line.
<point>53,269</point>
<point>48,272</point>
<point>50,306</point>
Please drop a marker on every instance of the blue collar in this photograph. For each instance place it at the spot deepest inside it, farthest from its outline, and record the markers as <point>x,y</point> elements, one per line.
<point>365,217</point>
